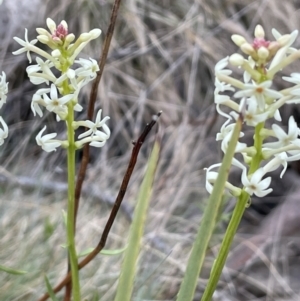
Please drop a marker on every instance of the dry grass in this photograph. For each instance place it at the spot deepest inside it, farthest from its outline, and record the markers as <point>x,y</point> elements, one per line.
<point>162,58</point>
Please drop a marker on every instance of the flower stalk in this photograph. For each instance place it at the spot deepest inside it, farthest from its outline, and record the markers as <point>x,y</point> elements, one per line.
<point>260,102</point>
<point>71,206</point>
<point>63,102</point>
<point>225,246</point>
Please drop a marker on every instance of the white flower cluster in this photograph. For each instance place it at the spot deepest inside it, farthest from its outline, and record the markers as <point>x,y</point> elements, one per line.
<point>258,101</point>
<point>63,55</point>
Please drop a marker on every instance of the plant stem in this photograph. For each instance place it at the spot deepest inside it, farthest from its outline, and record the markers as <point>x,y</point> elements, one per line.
<point>101,244</point>
<point>208,222</point>
<point>234,221</point>
<point>258,140</point>
<point>71,206</point>
<point>225,246</point>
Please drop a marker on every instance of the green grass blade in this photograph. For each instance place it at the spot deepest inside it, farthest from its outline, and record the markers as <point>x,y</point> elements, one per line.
<point>103,252</point>
<point>125,285</point>
<point>208,222</point>
<point>11,271</point>
<point>50,289</point>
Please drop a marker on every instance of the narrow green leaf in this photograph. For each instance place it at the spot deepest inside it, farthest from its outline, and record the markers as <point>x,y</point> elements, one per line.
<point>49,289</point>
<point>125,285</point>
<point>103,252</point>
<point>11,271</point>
<point>208,222</point>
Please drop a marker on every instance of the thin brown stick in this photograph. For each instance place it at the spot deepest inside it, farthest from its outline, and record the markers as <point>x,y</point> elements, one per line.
<point>93,96</point>
<point>115,209</point>
<point>90,113</point>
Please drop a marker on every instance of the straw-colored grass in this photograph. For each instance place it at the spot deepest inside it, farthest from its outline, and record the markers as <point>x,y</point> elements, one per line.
<point>162,58</point>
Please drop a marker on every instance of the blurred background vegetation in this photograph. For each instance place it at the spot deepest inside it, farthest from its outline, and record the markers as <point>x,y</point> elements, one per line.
<point>162,57</point>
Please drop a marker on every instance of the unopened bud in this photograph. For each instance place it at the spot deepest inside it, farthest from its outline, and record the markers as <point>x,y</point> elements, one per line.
<point>51,25</point>
<point>236,59</point>
<point>259,31</point>
<point>42,31</point>
<point>70,38</point>
<point>64,24</point>
<point>95,33</point>
<point>248,49</point>
<point>238,40</point>
<point>56,53</point>
<point>43,39</point>
<point>263,53</point>
<point>84,37</point>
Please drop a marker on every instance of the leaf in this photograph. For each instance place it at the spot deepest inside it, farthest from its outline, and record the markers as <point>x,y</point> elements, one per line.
<point>103,252</point>
<point>125,285</point>
<point>50,289</point>
<point>11,271</point>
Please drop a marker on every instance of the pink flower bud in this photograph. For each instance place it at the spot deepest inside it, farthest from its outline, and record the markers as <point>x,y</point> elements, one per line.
<point>60,32</point>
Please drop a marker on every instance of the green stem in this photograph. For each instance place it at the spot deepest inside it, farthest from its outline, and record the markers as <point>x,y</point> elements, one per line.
<point>258,141</point>
<point>208,222</point>
<point>225,246</point>
<point>234,221</point>
<point>71,205</point>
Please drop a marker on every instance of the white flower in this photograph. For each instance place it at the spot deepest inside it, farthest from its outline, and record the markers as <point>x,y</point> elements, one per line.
<point>70,74</point>
<point>259,91</point>
<point>211,177</point>
<point>279,159</point>
<point>254,184</point>
<point>93,127</point>
<point>55,104</point>
<point>219,68</point>
<point>88,69</point>
<point>46,142</point>
<point>226,101</point>
<point>4,131</point>
<point>100,138</point>
<point>286,41</point>
<point>37,100</point>
<point>96,138</point>
<point>45,76</point>
<point>253,116</point>
<point>295,78</point>
<point>3,89</point>
<point>29,46</point>
<point>225,130</point>
<point>222,87</point>
<point>26,44</point>
<point>225,135</point>
<point>284,139</point>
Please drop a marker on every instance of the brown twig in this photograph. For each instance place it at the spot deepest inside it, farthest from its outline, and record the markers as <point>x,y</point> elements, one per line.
<point>93,96</point>
<point>115,209</point>
<point>90,113</point>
